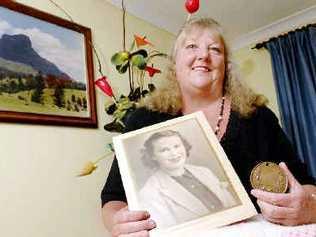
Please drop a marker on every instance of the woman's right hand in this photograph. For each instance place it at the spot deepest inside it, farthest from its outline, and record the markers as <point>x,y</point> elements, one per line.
<point>131,223</point>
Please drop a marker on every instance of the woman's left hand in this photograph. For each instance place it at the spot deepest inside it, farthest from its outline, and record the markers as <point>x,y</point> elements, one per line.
<point>296,207</point>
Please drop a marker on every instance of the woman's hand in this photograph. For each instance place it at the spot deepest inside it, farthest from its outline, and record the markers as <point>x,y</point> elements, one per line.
<point>124,223</point>
<point>131,223</point>
<point>293,208</point>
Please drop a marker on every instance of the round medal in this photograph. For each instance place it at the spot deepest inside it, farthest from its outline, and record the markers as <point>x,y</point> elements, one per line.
<point>268,176</point>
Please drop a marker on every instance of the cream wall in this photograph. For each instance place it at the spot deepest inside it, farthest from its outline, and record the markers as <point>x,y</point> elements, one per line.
<point>40,195</point>
<point>256,69</point>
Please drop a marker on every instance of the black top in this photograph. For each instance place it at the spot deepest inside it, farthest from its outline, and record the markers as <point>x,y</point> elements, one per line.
<point>199,190</point>
<point>247,142</point>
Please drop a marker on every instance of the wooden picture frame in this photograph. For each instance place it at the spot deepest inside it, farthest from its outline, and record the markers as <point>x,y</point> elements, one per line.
<point>46,69</point>
<point>151,160</point>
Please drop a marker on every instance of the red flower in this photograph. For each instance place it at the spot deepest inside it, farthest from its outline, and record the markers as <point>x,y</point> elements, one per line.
<point>192,5</point>
<point>140,41</point>
<point>152,71</point>
<point>103,84</point>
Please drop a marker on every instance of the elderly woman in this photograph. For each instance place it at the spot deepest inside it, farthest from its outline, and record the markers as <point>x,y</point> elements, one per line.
<point>176,191</point>
<point>201,77</point>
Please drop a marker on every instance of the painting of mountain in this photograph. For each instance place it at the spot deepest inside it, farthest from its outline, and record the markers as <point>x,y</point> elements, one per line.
<point>45,68</point>
<point>18,48</point>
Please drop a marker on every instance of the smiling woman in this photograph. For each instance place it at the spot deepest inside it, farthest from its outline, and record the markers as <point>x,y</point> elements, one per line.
<point>200,60</point>
<point>202,78</point>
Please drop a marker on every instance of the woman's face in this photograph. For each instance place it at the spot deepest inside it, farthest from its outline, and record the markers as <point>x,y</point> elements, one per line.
<point>200,61</point>
<point>170,153</point>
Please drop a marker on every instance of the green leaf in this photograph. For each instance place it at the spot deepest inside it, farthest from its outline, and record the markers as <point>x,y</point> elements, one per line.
<point>138,61</point>
<point>123,106</point>
<point>114,126</point>
<point>120,58</point>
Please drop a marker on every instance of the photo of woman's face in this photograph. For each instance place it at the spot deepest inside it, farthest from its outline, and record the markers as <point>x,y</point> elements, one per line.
<point>170,153</point>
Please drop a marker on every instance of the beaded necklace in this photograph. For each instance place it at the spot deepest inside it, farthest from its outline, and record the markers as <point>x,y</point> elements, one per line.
<point>220,117</point>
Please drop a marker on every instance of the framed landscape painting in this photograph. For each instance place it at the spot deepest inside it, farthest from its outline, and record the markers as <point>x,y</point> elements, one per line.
<point>46,69</point>
<point>178,171</point>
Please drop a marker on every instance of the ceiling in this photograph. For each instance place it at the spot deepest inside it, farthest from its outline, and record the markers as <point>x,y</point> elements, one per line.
<point>238,17</point>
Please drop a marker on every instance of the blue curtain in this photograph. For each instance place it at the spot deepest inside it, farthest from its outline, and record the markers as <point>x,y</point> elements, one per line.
<point>294,70</point>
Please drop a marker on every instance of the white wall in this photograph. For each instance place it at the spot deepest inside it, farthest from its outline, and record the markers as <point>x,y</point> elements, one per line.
<point>256,70</point>
<point>40,195</point>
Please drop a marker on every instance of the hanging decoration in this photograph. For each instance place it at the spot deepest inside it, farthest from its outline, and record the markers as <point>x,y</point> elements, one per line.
<point>191,6</point>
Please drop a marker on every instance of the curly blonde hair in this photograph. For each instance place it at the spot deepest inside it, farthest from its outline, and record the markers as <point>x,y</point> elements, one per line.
<point>168,98</point>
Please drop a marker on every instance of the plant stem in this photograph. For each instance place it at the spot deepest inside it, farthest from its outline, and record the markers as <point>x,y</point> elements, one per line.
<point>103,157</point>
<point>124,26</point>
<point>124,47</point>
<point>131,87</point>
<point>89,42</point>
<point>157,55</point>
<point>63,10</point>
<point>142,77</point>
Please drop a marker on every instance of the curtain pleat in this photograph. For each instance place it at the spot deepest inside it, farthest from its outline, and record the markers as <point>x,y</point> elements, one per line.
<point>294,71</point>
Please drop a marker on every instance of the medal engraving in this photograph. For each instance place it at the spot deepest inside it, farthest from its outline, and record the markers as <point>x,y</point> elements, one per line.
<point>268,176</point>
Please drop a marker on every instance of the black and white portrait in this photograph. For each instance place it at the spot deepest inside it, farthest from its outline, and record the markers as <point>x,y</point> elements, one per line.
<point>178,190</point>
<point>175,172</point>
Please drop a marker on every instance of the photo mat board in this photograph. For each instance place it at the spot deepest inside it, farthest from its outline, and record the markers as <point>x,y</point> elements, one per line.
<point>46,69</point>
<point>150,160</point>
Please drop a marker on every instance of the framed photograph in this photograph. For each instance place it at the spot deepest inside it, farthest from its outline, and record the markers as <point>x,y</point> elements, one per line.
<point>46,69</point>
<point>178,171</point>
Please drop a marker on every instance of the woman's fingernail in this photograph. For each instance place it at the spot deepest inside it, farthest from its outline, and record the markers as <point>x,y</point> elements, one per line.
<point>147,215</point>
<point>282,164</point>
<point>152,223</point>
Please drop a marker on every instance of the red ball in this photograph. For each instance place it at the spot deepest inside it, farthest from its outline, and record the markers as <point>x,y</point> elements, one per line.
<point>192,5</point>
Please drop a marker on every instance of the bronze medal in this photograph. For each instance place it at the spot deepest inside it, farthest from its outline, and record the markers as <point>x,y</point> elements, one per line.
<point>268,176</point>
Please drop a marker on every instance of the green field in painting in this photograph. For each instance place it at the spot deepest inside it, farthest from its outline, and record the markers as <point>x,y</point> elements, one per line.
<point>21,102</point>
